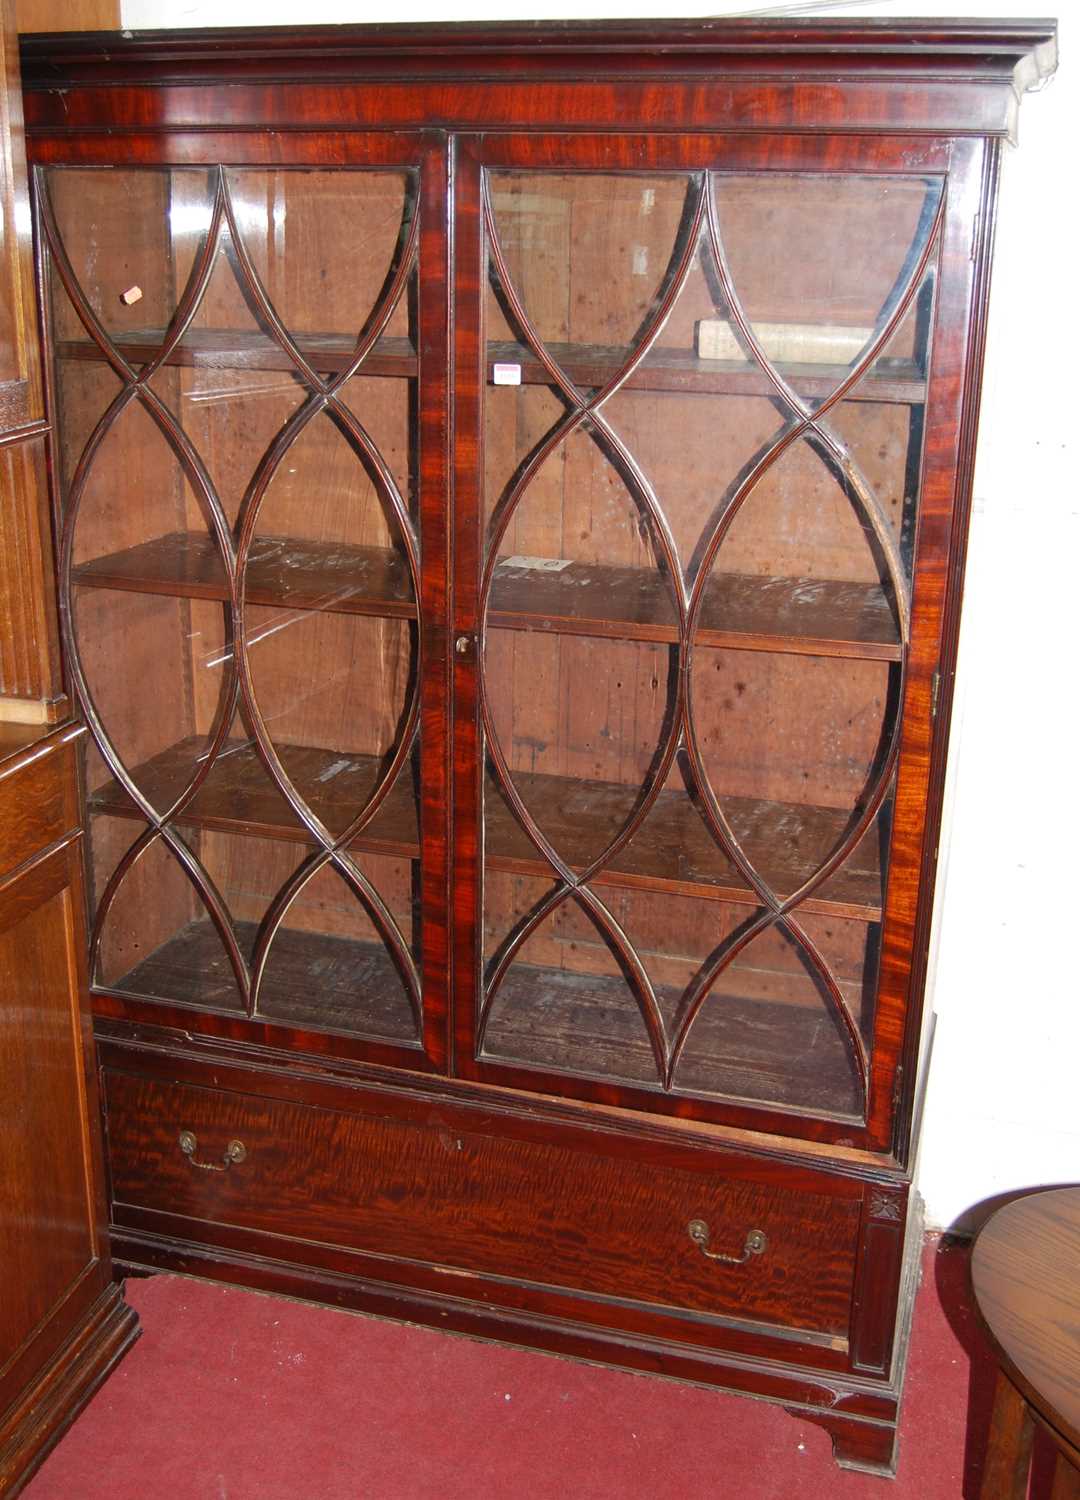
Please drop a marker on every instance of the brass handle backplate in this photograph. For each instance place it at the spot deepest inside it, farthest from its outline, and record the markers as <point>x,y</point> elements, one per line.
<point>235,1151</point>
<point>754,1244</point>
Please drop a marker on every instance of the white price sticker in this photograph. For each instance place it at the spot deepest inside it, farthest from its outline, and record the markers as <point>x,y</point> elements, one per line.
<point>537,564</point>
<point>507,374</point>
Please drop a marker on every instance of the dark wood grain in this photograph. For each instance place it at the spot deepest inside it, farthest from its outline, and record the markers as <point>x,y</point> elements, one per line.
<point>573,152</point>
<point>1007,1465</point>
<point>665,77</point>
<point>482,1205</point>
<point>62,1323</point>
<point>31,683</point>
<point>240,797</point>
<point>743,1048</point>
<point>47,1240</point>
<point>31,679</point>
<point>31,1428</point>
<point>948,470</point>
<point>866,1447</point>
<point>812,616</point>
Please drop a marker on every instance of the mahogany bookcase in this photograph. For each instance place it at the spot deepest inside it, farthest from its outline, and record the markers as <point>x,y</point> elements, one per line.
<point>510,488</point>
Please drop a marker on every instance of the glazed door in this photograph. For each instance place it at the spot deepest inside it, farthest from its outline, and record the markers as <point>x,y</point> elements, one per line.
<point>249,388</point>
<point>691,681</point>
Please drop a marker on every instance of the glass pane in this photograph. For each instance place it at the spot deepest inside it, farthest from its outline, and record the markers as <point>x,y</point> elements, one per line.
<point>317,958</point>
<point>565,1000</point>
<point>130,238</point>
<point>566,239</point>
<point>768,1028</point>
<point>819,266</point>
<point>156,936</point>
<point>261,446</point>
<point>695,599</point>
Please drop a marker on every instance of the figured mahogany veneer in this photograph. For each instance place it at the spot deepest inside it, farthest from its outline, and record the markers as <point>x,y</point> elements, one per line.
<point>522,1153</point>
<point>474,1205</point>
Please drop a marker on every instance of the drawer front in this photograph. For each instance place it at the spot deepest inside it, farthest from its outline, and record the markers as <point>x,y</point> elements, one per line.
<point>532,1211</point>
<point>38,805</point>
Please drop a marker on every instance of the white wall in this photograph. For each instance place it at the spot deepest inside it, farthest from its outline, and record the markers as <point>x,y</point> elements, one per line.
<point>1001,1110</point>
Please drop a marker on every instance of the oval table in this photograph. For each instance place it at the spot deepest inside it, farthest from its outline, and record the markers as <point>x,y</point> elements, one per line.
<point>1025,1271</point>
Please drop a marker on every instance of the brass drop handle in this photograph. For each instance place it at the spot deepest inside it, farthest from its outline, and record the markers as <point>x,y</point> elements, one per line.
<point>235,1151</point>
<point>755,1244</point>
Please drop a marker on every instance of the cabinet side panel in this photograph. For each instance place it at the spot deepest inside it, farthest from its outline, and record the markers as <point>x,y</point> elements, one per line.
<point>47,1236</point>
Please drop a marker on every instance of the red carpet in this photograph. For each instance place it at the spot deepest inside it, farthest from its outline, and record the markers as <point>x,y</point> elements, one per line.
<point>233,1396</point>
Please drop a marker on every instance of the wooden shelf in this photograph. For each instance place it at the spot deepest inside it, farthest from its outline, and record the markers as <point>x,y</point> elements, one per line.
<point>809,616</point>
<point>739,1048</point>
<point>239,796</point>
<point>673,852</point>
<point>230,349</point>
<point>589,366</point>
<point>806,616</point>
<point>311,980</point>
<point>552,1018</point>
<point>282,572</point>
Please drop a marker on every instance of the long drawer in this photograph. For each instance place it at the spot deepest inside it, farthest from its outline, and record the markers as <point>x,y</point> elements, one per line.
<point>533,1211</point>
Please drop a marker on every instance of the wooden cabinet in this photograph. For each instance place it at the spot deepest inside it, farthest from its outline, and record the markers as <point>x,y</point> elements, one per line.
<point>511,490</point>
<point>63,1323</point>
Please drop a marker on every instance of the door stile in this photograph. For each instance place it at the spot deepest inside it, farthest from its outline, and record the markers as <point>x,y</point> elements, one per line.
<point>434,385</point>
<point>467,524</point>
